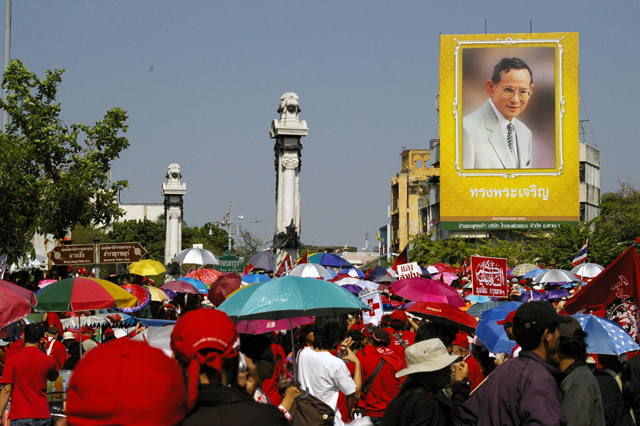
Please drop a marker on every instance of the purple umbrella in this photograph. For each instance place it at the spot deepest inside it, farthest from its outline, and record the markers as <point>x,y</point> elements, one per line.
<point>532,295</point>
<point>260,326</point>
<point>558,293</point>
<point>180,286</point>
<point>355,289</point>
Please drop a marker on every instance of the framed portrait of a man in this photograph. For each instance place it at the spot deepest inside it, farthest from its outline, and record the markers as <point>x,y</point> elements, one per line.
<point>508,121</point>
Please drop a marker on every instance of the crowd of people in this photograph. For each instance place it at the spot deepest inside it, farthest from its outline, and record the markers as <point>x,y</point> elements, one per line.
<point>403,371</point>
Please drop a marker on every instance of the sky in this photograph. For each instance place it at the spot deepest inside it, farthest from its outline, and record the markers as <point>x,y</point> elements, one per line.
<point>201,82</point>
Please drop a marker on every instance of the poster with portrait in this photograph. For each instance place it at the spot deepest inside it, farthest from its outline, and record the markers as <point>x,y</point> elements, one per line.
<point>509,132</point>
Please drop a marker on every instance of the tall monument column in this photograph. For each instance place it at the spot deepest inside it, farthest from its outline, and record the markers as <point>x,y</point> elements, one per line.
<point>172,191</point>
<point>287,131</point>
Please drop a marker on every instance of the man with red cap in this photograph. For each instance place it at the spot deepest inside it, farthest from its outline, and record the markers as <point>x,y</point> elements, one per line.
<point>54,348</point>
<point>461,347</point>
<point>379,367</point>
<point>399,330</point>
<point>155,390</point>
<point>206,344</point>
<point>507,323</point>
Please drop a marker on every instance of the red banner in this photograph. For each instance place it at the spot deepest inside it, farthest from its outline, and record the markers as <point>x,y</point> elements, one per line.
<point>489,276</point>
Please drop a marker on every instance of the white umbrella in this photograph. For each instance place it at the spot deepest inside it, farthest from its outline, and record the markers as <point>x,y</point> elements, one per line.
<point>158,337</point>
<point>310,270</point>
<point>587,270</point>
<point>196,256</point>
<point>555,276</point>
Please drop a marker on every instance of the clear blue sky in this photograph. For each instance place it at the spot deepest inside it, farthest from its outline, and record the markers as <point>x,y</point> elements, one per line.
<point>201,82</point>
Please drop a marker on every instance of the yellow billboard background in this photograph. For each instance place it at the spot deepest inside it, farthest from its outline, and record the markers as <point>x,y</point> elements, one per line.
<point>518,199</point>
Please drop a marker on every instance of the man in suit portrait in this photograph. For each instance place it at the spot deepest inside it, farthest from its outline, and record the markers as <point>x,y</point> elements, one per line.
<point>493,138</point>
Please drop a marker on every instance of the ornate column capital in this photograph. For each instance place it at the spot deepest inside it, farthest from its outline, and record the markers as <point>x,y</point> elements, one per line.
<point>290,161</point>
<point>174,212</point>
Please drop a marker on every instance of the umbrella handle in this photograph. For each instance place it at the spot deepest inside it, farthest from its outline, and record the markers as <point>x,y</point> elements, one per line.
<point>306,393</point>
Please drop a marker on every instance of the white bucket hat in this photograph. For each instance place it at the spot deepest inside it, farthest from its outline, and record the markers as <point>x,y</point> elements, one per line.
<point>427,356</point>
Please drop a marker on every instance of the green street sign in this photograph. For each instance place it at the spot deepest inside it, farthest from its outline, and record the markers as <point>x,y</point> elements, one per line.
<point>229,262</point>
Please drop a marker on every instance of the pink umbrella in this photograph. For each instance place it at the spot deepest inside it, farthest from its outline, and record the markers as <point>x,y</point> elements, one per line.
<point>260,326</point>
<point>447,277</point>
<point>15,302</point>
<point>425,290</point>
<point>45,283</point>
<point>180,286</point>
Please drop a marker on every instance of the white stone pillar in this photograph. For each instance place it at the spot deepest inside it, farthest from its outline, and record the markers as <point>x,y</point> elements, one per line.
<point>290,163</point>
<point>173,191</point>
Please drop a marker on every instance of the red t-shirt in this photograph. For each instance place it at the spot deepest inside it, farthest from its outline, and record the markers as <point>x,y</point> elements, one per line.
<point>54,320</point>
<point>28,372</point>
<point>475,371</point>
<point>408,336</point>
<point>58,353</point>
<point>14,348</point>
<point>385,387</point>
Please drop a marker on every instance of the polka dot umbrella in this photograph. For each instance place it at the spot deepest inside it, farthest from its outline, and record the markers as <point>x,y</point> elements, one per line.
<point>605,336</point>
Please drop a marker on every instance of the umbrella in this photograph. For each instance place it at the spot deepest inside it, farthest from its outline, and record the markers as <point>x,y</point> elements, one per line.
<point>385,279</point>
<point>197,284</point>
<point>587,270</point>
<point>142,294</point>
<point>532,296</point>
<point>146,267</point>
<point>332,274</point>
<point>555,276</point>
<point>392,273</point>
<point>353,272</point>
<point>328,260</point>
<point>493,335</point>
<point>224,287</point>
<point>477,299</point>
<point>158,337</point>
<point>435,269</point>
<point>81,294</point>
<point>290,297</point>
<point>605,336</point>
<point>180,286</point>
<point>262,260</point>
<point>196,256</point>
<point>355,289</point>
<point>523,268</point>
<point>45,283</point>
<point>558,293</point>
<point>446,277</point>
<point>445,313</point>
<point>426,290</point>
<point>259,326</point>
<point>377,272</point>
<point>345,280</point>
<point>477,309</point>
<point>207,276</point>
<point>15,302</point>
<point>255,278</point>
<point>309,270</point>
<point>535,273</point>
<point>157,295</point>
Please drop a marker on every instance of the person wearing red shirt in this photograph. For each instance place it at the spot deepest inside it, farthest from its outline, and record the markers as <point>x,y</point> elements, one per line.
<point>51,319</point>
<point>25,378</point>
<point>382,388</point>
<point>461,347</point>
<point>402,337</point>
<point>54,348</point>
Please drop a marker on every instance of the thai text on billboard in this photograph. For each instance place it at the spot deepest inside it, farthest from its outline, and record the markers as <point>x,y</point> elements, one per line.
<point>489,276</point>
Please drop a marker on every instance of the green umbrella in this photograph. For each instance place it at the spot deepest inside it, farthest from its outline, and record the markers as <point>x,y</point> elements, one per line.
<point>290,297</point>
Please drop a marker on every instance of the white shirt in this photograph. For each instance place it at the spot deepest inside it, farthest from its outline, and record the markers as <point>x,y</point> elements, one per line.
<point>324,375</point>
<point>503,125</point>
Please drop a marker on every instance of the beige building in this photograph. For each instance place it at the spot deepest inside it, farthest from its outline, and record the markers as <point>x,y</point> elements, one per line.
<point>407,187</point>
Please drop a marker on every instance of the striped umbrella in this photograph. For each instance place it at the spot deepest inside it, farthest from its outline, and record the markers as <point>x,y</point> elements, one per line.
<point>522,269</point>
<point>80,294</point>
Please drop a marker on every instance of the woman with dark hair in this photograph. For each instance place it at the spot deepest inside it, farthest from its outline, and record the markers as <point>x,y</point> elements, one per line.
<point>619,388</point>
<point>325,375</point>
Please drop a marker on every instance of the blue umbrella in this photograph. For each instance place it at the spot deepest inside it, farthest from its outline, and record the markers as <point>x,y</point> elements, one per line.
<point>353,272</point>
<point>202,288</point>
<point>379,271</point>
<point>262,260</point>
<point>478,299</point>
<point>534,273</point>
<point>477,309</point>
<point>493,335</point>
<point>255,278</point>
<point>605,336</point>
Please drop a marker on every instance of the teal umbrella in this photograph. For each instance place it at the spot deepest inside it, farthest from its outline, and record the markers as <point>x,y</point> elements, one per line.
<point>290,297</point>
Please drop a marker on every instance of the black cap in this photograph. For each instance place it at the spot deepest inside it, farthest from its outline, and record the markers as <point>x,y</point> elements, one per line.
<point>538,314</point>
<point>381,337</point>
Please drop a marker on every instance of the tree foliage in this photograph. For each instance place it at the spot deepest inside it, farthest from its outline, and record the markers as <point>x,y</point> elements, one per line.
<point>621,211</point>
<point>53,176</point>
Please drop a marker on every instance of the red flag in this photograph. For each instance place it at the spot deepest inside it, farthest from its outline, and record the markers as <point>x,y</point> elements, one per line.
<point>247,269</point>
<point>401,259</point>
<point>284,267</point>
<point>305,258</point>
<point>620,280</point>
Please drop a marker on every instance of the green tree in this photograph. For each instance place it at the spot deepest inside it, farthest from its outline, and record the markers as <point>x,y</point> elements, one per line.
<point>217,242</point>
<point>248,245</point>
<point>621,211</point>
<point>50,180</point>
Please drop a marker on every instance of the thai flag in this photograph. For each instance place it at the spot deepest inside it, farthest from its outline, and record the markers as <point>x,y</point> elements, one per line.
<point>581,256</point>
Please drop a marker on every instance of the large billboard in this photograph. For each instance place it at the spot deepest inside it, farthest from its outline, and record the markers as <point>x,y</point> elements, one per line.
<point>509,131</point>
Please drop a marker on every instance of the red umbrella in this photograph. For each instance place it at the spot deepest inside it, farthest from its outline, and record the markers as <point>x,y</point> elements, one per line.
<point>180,286</point>
<point>445,313</point>
<point>223,287</point>
<point>426,290</point>
<point>259,326</point>
<point>142,294</point>
<point>15,302</point>
<point>207,276</point>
